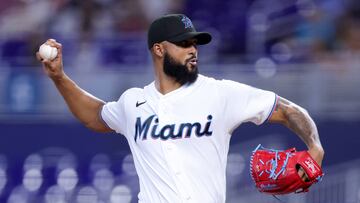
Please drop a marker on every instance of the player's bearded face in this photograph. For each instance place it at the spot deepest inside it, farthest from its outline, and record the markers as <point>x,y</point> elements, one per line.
<point>180,72</point>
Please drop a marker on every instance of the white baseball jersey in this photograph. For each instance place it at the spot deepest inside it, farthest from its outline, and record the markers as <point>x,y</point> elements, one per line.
<point>180,140</point>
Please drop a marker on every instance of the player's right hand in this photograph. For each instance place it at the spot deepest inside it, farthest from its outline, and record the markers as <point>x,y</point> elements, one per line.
<point>54,68</point>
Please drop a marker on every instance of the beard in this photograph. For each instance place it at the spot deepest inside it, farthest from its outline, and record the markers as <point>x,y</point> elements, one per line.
<point>181,73</point>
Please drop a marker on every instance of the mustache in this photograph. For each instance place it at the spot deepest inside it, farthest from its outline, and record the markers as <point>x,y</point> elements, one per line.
<point>191,58</point>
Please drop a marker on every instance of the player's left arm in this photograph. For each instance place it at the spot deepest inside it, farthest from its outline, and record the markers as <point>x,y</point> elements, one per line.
<point>299,121</point>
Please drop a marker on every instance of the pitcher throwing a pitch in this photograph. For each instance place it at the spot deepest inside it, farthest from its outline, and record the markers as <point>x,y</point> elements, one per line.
<point>179,126</point>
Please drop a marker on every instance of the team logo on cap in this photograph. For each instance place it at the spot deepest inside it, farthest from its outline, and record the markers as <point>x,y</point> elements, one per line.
<point>187,22</point>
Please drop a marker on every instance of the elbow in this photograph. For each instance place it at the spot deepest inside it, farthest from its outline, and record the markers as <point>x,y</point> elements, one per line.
<point>304,111</point>
<point>297,111</point>
<point>297,108</point>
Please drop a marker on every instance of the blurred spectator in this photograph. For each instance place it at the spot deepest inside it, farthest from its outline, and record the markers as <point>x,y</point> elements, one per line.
<point>3,179</point>
<point>103,182</point>
<point>348,31</point>
<point>234,169</point>
<point>87,194</point>
<point>52,155</point>
<point>26,17</point>
<point>98,162</point>
<point>66,23</point>
<point>32,180</point>
<point>88,10</point>
<point>128,177</point>
<point>28,191</point>
<point>316,34</point>
<point>154,8</point>
<point>55,194</point>
<point>66,161</point>
<point>6,5</point>
<point>22,26</point>
<point>121,194</point>
<point>129,16</point>
<point>33,161</point>
<point>67,180</point>
<point>18,195</point>
<point>3,176</point>
<point>229,17</point>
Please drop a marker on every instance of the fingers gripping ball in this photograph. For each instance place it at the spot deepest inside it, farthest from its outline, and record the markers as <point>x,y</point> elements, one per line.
<point>48,52</point>
<point>276,171</point>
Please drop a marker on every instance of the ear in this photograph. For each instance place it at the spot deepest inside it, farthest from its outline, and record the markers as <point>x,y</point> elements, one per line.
<point>158,50</point>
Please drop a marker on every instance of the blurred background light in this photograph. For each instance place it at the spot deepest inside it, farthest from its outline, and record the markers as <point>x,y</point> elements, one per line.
<point>304,50</point>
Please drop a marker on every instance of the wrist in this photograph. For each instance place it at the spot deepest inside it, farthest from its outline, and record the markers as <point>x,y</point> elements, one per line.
<point>58,78</point>
<point>316,148</point>
<point>317,153</point>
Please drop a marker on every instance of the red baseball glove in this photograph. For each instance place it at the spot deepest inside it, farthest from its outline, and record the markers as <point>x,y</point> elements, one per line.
<point>276,171</point>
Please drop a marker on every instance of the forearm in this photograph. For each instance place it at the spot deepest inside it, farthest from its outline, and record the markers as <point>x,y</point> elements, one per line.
<point>84,106</point>
<point>298,120</point>
<point>301,123</point>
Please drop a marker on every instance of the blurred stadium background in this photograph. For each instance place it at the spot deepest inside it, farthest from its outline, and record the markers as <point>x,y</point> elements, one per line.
<point>304,50</point>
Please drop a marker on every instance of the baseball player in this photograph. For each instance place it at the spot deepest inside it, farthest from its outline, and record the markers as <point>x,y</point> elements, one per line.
<point>179,126</point>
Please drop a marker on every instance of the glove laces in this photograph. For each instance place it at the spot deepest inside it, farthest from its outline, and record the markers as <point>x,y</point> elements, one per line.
<point>273,162</point>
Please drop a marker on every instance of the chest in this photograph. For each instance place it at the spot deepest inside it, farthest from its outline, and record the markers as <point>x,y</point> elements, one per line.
<point>169,120</point>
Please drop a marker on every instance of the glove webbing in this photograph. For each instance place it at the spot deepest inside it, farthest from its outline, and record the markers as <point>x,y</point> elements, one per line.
<point>274,165</point>
<point>274,162</point>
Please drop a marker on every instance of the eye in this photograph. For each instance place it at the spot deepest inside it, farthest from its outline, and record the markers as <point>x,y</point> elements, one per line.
<point>187,43</point>
<point>184,44</point>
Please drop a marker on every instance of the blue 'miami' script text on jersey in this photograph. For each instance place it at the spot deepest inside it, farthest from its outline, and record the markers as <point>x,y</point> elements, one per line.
<point>168,131</point>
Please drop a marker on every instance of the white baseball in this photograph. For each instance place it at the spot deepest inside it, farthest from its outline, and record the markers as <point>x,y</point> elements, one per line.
<point>47,52</point>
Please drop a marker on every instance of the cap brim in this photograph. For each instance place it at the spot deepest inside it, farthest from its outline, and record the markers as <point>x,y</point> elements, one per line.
<point>202,37</point>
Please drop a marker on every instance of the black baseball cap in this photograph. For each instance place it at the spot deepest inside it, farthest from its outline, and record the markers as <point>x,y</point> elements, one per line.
<point>175,28</point>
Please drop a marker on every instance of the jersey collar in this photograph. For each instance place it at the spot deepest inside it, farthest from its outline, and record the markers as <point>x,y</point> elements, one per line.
<point>181,91</point>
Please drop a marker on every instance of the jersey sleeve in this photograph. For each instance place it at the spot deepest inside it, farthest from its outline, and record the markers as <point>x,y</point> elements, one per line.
<point>244,103</point>
<point>114,116</point>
